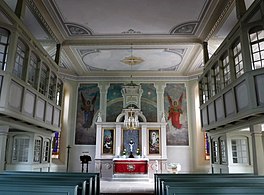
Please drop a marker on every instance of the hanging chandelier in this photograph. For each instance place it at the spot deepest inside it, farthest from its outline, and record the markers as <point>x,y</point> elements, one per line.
<point>131,118</point>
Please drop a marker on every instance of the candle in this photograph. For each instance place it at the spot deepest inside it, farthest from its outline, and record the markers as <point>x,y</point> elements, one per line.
<point>157,165</point>
<point>145,151</point>
<point>118,151</point>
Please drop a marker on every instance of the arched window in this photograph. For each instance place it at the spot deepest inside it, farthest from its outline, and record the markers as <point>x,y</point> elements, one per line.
<point>20,149</point>
<point>4,37</point>
<point>37,149</point>
<point>257,47</point>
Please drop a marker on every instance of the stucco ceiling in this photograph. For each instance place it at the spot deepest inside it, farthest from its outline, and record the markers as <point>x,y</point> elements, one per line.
<point>98,35</point>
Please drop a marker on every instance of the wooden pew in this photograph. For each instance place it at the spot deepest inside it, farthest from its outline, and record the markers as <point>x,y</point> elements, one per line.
<point>162,180</point>
<point>92,179</point>
<point>8,188</point>
<point>81,184</point>
<point>219,190</point>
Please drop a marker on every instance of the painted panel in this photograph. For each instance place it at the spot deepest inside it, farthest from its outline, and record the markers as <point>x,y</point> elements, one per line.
<point>259,80</point>
<point>87,108</point>
<point>229,103</point>
<point>131,140</point>
<point>242,96</point>
<point>114,102</point>
<point>56,117</point>
<point>205,116</point>
<point>108,141</point>
<point>211,111</point>
<point>48,112</point>
<point>149,102</point>
<point>29,103</point>
<point>154,141</point>
<point>175,106</point>
<point>15,96</point>
<point>40,107</point>
<point>219,108</point>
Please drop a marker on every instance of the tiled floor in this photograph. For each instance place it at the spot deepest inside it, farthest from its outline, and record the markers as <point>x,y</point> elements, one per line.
<point>126,187</point>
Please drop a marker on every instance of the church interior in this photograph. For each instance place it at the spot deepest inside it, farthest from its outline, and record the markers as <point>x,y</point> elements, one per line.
<point>131,91</point>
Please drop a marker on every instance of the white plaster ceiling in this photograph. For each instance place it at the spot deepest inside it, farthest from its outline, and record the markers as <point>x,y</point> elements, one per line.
<point>96,35</point>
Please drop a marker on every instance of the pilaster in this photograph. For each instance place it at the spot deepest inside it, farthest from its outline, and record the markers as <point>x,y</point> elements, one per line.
<point>257,148</point>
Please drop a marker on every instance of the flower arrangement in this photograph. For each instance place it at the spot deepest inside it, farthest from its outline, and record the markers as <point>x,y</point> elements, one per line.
<point>176,167</point>
<point>138,152</point>
<point>124,152</point>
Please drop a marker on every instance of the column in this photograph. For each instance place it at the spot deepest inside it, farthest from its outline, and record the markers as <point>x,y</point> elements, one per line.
<point>257,148</point>
<point>20,9</point>
<point>160,86</point>
<point>205,52</point>
<point>58,54</point>
<point>103,86</point>
<point>118,141</point>
<point>3,138</point>
<point>240,8</point>
<point>144,141</point>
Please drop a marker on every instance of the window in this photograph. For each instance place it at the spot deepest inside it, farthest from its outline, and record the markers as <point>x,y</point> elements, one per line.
<point>52,86</point>
<point>226,70</point>
<point>214,151</point>
<point>20,149</point>
<point>257,48</point>
<point>204,89</point>
<point>56,145</point>
<point>43,80</point>
<point>4,36</point>
<point>32,70</point>
<point>240,151</point>
<point>20,59</point>
<point>223,159</point>
<point>37,150</point>
<point>211,87</point>
<point>46,151</point>
<point>59,92</point>
<point>238,61</point>
<point>217,78</point>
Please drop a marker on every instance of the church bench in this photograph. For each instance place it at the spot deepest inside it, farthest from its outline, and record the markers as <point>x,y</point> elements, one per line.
<point>220,190</point>
<point>49,181</point>
<point>37,189</point>
<point>159,178</point>
<point>94,184</point>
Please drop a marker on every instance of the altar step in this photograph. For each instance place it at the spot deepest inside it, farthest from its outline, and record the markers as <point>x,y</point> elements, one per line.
<point>126,187</point>
<point>130,177</point>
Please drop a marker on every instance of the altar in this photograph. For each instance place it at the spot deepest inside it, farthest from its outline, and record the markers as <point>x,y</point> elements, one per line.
<point>130,166</point>
<point>130,147</point>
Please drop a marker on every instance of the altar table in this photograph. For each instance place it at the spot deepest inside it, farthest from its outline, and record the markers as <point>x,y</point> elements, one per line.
<point>130,165</point>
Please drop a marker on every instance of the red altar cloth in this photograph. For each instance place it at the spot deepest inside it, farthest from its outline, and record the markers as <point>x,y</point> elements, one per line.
<point>131,166</point>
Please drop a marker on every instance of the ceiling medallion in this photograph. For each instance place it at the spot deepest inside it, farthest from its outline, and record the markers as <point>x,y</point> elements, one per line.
<point>132,60</point>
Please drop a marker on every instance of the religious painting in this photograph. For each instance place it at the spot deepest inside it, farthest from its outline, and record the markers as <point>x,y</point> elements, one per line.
<point>175,106</point>
<point>206,147</point>
<point>149,102</point>
<point>114,102</point>
<point>108,136</point>
<point>153,141</point>
<point>87,110</point>
<point>131,141</point>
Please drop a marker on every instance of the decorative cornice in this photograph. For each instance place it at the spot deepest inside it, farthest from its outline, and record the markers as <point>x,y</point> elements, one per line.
<point>185,28</point>
<point>219,20</point>
<point>77,30</point>
<point>131,31</point>
<point>35,11</point>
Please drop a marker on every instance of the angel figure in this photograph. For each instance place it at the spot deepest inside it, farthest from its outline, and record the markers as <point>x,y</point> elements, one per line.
<point>88,110</point>
<point>175,111</point>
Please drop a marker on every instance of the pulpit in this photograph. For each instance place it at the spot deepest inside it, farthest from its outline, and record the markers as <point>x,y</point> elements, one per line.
<point>130,166</point>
